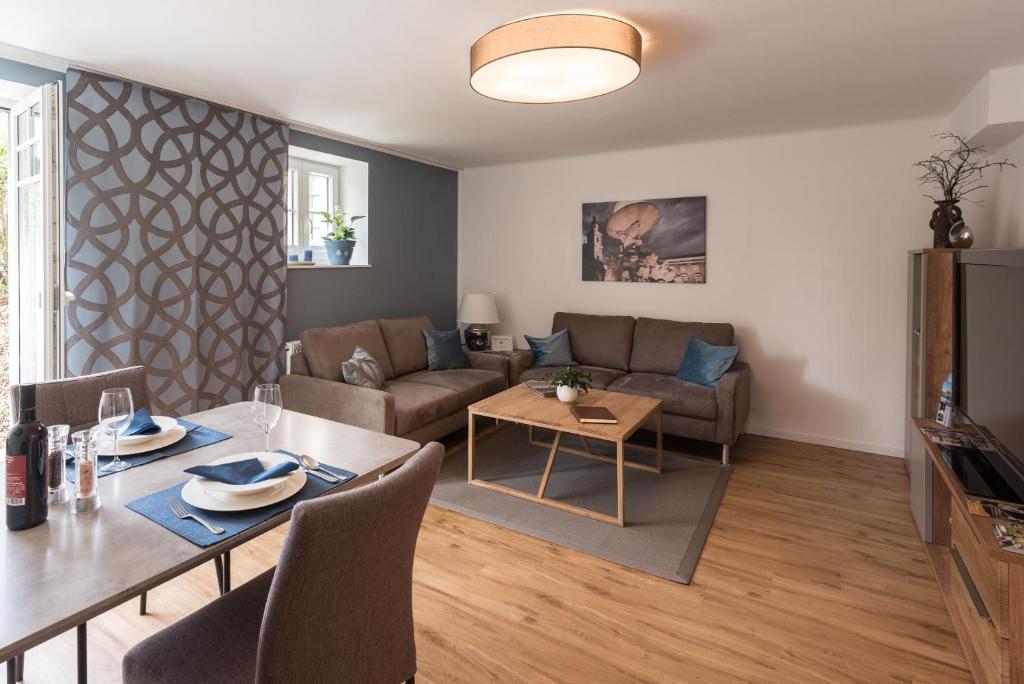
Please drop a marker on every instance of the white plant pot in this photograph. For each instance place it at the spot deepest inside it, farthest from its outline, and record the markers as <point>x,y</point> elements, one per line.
<point>567,395</point>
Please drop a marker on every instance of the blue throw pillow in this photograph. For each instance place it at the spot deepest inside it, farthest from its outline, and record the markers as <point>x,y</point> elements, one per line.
<point>444,350</point>
<point>552,350</point>
<point>705,363</point>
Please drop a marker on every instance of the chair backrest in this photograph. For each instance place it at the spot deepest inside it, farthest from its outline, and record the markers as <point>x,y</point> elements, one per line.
<point>340,606</point>
<point>76,401</point>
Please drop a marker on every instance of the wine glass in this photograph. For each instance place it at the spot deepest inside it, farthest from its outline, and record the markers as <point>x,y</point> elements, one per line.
<point>266,408</point>
<point>115,414</point>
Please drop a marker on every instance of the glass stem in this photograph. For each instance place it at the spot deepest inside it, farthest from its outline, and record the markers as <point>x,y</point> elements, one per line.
<point>117,459</point>
<point>268,440</point>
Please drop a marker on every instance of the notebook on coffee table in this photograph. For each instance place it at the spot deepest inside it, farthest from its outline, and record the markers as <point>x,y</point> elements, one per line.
<point>593,414</point>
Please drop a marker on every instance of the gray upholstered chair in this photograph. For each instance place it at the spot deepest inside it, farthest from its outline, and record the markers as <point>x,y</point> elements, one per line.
<point>338,607</point>
<point>75,401</point>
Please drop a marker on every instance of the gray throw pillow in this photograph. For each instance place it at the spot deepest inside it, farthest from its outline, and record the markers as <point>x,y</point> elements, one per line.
<point>444,350</point>
<point>363,370</point>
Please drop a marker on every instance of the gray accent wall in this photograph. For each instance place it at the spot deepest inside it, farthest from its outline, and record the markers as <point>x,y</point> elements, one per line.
<point>413,240</point>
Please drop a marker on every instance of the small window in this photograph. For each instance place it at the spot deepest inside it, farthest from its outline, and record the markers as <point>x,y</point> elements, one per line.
<point>319,182</point>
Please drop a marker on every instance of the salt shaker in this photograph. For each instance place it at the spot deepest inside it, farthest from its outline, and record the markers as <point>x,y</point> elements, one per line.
<point>56,443</point>
<point>87,496</point>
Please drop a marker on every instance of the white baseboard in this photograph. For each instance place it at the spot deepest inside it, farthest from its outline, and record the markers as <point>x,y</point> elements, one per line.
<point>869,447</point>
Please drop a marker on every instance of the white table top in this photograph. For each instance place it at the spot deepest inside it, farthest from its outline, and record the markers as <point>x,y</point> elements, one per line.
<point>73,567</point>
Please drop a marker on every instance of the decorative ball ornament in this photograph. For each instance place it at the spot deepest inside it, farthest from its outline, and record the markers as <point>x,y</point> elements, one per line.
<point>960,235</point>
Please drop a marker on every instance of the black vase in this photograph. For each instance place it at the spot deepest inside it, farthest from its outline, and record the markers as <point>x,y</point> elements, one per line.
<point>945,215</point>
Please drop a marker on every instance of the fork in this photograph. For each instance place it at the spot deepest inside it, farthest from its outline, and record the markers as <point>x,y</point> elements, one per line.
<point>180,511</point>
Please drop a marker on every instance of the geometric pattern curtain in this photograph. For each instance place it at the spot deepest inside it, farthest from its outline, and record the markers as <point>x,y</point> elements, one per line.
<point>175,241</point>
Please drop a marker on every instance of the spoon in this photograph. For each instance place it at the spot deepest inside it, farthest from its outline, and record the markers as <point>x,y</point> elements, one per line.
<point>311,465</point>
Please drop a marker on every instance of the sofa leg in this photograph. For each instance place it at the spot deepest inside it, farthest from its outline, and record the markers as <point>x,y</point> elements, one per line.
<point>725,454</point>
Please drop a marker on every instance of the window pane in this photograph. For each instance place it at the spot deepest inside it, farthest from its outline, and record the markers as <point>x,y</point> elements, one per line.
<point>29,163</point>
<point>320,199</point>
<point>292,199</point>
<point>30,325</point>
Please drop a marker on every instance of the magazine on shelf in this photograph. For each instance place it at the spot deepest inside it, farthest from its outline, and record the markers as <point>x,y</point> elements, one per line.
<point>1010,537</point>
<point>992,509</point>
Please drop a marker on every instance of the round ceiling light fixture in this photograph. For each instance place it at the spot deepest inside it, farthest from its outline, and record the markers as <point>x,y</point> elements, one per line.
<point>555,58</point>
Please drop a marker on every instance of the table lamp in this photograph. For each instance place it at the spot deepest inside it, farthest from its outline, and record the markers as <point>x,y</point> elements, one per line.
<point>478,311</point>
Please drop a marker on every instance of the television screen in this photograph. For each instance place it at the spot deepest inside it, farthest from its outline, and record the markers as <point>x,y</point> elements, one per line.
<point>990,387</point>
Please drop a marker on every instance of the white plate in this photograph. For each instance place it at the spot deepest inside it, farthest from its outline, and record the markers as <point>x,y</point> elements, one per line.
<point>267,459</point>
<point>165,423</point>
<point>208,501</point>
<point>105,446</point>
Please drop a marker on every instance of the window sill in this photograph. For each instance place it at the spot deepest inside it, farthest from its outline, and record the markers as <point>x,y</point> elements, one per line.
<point>297,267</point>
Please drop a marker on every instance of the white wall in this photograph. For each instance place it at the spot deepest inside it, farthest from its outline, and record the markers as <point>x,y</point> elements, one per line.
<point>1005,202</point>
<point>807,250</point>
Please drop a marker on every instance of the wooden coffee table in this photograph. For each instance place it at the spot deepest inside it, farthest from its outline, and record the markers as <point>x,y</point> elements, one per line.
<point>520,405</point>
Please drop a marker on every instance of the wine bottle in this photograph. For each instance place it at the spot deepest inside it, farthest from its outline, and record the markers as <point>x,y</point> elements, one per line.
<point>26,465</point>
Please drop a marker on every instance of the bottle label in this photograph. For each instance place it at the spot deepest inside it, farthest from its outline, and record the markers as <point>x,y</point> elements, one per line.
<point>17,480</point>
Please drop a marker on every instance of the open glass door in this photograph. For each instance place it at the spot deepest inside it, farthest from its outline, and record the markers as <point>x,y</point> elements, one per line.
<point>36,235</point>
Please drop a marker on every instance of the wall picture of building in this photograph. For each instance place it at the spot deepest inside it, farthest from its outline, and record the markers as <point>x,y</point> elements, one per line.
<point>646,241</point>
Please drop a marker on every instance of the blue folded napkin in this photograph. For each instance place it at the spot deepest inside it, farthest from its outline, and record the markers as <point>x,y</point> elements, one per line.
<point>142,424</point>
<point>248,471</point>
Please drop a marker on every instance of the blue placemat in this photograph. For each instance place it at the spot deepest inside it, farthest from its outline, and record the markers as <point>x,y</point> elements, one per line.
<point>195,436</point>
<point>156,507</point>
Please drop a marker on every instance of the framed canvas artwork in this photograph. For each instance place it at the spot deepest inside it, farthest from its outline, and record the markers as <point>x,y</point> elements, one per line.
<point>646,241</point>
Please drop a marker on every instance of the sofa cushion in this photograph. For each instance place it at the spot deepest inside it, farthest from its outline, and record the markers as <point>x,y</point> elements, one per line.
<point>417,404</point>
<point>363,370</point>
<point>404,340</point>
<point>444,350</point>
<point>472,384</point>
<point>603,341</point>
<point>326,348</point>
<point>705,363</point>
<point>678,397</point>
<point>553,350</point>
<point>599,377</point>
<point>659,345</point>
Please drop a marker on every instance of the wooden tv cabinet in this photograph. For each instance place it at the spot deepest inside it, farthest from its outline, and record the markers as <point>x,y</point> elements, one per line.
<point>983,586</point>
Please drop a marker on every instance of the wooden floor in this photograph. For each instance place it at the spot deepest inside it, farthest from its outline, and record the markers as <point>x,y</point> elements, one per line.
<point>812,572</point>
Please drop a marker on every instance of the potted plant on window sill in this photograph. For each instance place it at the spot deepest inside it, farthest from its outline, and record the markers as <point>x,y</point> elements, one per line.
<point>569,382</point>
<point>340,242</point>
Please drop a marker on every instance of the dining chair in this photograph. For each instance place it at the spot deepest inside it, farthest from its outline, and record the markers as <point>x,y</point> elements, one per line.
<point>338,607</point>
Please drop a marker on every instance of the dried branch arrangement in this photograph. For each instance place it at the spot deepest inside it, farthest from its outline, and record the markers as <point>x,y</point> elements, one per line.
<point>959,169</point>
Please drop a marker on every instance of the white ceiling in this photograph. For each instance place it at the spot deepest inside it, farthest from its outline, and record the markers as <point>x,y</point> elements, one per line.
<point>395,72</point>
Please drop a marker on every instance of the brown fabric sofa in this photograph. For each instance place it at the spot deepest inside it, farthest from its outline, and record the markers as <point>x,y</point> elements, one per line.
<point>641,356</point>
<point>414,402</point>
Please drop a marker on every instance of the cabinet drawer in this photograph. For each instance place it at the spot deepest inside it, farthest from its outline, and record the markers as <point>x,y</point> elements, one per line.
<point>978,636</point>
<point>983,571</point>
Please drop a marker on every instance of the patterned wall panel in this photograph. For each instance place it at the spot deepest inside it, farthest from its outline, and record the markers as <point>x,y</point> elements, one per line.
<point>175,241</point>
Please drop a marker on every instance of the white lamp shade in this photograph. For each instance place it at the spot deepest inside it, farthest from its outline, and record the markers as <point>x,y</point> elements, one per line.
<point>478,308</point>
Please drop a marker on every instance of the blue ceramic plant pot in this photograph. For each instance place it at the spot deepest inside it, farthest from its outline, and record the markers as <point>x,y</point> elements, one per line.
<point>339,252</point>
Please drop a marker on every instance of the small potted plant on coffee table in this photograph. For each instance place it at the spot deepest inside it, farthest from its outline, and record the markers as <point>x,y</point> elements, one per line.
<point>340,242</point>
<point>569,382</point>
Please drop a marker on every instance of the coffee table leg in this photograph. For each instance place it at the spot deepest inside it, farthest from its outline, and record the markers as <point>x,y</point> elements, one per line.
<point>657,421</point>
<point>469,446</point>
<point>551,462</point>
<point>620,477</point>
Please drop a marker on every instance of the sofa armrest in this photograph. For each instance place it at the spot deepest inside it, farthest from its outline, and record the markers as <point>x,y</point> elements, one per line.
<point>733,395</point>
<point>518,361</point>
<point>492,362</point>
<point>343,403</point>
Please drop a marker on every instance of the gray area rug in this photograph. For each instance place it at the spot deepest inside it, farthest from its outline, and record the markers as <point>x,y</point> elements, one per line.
<point>668,516</point>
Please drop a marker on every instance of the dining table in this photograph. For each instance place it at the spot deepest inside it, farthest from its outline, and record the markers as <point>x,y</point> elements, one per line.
<point>74,567</point>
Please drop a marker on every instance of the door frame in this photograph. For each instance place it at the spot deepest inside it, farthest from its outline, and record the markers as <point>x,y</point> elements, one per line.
<point>51,141</point>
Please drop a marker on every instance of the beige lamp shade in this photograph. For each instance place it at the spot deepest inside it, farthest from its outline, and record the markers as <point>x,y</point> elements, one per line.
<point>555,58</point>
<point>478,308</point>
